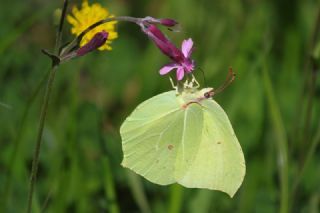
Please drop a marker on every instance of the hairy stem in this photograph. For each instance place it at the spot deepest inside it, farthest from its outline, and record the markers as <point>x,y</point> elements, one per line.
<point>35,161</point>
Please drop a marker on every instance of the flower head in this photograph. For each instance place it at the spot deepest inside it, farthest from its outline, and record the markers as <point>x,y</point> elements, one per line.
<point>181,58</point>
<point>88,15</point>
<point>184,65</point>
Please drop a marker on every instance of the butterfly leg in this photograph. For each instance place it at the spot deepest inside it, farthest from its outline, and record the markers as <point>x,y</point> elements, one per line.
<point>195,81</point>
<point>186,84</point>
<point>172,84</point>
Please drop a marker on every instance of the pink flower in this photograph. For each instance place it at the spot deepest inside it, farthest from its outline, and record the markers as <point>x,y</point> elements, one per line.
<point>181,58</point>
<point>184,64</point>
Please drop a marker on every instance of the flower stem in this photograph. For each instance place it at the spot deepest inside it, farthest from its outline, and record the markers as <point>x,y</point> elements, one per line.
<point>44,108</point>
<point>118,18</point>
<point>78,39</point>
<point>35,161</point>
<point>60,27</point>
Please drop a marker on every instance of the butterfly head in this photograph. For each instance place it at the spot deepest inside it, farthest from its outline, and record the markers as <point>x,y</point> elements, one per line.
<point>206,93</point>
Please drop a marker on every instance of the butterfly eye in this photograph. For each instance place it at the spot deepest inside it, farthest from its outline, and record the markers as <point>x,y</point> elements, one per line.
<point>207,95</point>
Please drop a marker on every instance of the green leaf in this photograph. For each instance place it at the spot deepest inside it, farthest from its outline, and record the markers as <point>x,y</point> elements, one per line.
<point>185,139</point>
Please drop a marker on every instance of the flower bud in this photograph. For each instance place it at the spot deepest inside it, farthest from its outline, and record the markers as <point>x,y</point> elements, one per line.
<point>168,22</point>
<point>97,41</point>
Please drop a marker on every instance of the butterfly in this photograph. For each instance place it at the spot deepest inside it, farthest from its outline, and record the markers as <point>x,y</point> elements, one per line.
<point>184,138</point>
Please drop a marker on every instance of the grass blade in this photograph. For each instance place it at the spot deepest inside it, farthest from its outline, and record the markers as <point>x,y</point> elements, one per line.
<point>281,141</point>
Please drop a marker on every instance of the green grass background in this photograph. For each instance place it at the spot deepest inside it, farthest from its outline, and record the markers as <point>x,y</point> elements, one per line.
<point>273,105</point>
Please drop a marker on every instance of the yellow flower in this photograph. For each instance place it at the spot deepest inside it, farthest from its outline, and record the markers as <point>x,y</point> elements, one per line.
<point>88,15</point>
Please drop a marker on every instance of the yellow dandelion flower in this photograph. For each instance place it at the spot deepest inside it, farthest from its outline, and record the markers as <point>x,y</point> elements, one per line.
<point>88,15</point>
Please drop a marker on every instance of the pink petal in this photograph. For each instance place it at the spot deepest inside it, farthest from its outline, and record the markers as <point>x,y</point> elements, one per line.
<point>180,73</point>
<point>163,43</point>
<point>167,68</point>
<point>187,47</point>
<point>155,32</point>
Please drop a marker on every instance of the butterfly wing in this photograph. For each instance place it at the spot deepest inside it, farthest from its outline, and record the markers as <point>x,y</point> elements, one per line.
<point>219,163</point>
<point>146,136</point>
<point>159,138</point>
<point>194,146</point>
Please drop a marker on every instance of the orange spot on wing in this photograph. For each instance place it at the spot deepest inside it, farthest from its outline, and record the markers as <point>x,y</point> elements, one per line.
<point>184,106</point>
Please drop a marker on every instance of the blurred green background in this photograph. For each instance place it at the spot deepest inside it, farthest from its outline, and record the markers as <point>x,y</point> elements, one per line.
<point>273,105</point>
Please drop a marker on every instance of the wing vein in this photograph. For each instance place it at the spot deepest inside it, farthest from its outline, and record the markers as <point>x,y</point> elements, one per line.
<point>183,131</point>
<point>151,121</point>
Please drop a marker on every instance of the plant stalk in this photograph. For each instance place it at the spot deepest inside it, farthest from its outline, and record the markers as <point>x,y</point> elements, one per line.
<point>35,162</point>
<point>44,108</point>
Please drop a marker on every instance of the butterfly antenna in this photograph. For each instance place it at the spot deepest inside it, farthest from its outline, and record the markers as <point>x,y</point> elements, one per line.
<point>230,78</point>
<point>204,76</point>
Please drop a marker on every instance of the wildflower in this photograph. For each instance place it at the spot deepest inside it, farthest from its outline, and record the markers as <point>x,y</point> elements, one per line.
<point>186,65</point>
<point>88,15</point>
<point>181,58</point>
